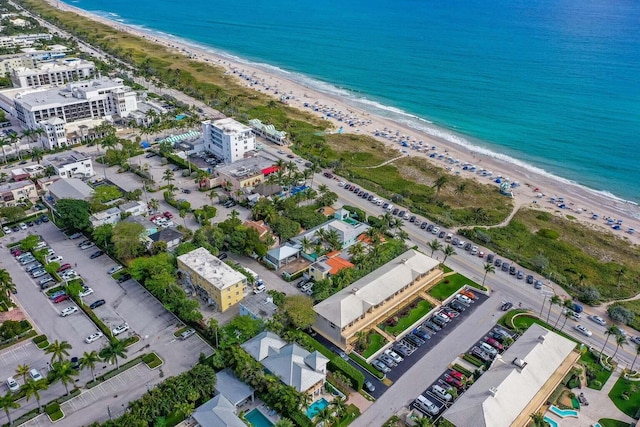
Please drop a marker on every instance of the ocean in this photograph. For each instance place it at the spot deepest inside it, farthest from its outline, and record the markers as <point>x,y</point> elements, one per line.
<point>552,83</point>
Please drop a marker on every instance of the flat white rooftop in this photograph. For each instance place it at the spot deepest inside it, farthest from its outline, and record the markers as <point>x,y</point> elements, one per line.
<point>211,268</point>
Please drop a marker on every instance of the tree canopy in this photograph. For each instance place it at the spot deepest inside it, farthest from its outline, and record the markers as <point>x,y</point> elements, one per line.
<point>299,311</point>
<point>126,239</point>
<point>74,214</point>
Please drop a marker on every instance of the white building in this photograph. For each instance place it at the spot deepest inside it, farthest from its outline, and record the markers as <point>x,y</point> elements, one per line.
<point>55,134</point>
<point>109,216</point>
<point>91,99</point>
<point>228,139</point>
<point>71,165</point>
<point>58,72</point>
<point>12,61</point>
<point>23,40</point>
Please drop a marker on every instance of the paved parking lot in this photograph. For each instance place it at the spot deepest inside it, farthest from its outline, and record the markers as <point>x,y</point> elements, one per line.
<point>128,302</point>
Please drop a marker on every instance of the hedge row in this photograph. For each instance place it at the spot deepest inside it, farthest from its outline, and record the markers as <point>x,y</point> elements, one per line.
<point>300,419</point>
<point>115,372</point>
<point>99,323</point>
<point>473,360</point>
<point>39,339</point>
<point>464,371</point>
<point>336,363</point>
<point>360,361</point>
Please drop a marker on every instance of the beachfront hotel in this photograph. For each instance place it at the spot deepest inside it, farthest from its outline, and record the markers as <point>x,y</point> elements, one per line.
<point>228,139</point>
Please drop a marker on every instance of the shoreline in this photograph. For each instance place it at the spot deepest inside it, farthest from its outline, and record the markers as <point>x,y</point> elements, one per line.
<point>581,202</point>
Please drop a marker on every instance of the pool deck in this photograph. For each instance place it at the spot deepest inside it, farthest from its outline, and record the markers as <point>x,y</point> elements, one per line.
<point>600,406</point>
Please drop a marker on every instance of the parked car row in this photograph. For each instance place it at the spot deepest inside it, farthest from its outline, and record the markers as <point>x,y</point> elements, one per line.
<point>23,226</point>
<point>305,285</point>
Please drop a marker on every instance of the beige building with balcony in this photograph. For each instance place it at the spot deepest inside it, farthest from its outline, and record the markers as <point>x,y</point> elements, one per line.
<point>372,299</point>
<point>15,192</point>
<point>212,279</point>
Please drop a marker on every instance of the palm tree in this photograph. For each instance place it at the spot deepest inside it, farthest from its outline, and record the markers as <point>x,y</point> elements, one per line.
<point>168,176</point>
<point>36,155</point>
<point>402,235</point>
<point>58,350</point>
<point>635,357</point>
<point>441,181</point>
<point>448,251</point>
<point>434,245</point>
<point>488,268</point>
<point>423,422</point>
<point>460,189</point>
<point>339,405</point>
<point>89,360</point>
<point>7,402</point>
<point>6,282</point>
<point>555,299</point>
<point>538,420</point>
<point>611,330</point>
<point>306,244</point>
<point>325,417</point>
<point>568,305</point>
<point>23,371</point>
<point>113,351</point>
<point>64,372</point>
<point>621,340</point>
<point>33,388</point>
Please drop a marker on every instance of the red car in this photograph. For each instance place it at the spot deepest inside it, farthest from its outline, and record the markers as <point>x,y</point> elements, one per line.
<point>64,267</point>
<point>61,298</point>
<point>168,215</point>
<point>17,253</point>
<point>456,374</point>
<point>453,381</point>
<point>449,313</point>
<point>495,344</point>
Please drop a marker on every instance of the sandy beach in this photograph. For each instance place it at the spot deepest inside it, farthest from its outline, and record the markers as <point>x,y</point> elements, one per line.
<point>535,190</point>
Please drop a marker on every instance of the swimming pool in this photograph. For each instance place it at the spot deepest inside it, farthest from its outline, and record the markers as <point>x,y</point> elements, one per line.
<point>257,419</point>
<point>563,413</point>
<point>316,407</point>
<point>551,422</point>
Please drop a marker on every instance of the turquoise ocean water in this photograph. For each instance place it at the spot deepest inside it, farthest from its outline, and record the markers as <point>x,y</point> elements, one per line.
<point>554,84</point>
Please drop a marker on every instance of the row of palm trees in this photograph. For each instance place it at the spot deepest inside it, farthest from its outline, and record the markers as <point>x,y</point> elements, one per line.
<point>13,139</point>
<point>61,370</point>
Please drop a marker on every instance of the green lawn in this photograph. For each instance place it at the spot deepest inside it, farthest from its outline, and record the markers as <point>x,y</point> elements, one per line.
<point>450,285</point>
<point>523,322</point>
<point>421,309</point>
<point>622,388</point>
<point>591,362</point>
<point>608,422</point>
<point>376,342</point>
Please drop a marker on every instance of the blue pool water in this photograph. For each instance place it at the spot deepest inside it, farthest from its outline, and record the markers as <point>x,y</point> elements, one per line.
<point>551,422</point>
<point>563,412</point>
<point>316,407</point>
<point>180,116</point>
<point>257,419</point>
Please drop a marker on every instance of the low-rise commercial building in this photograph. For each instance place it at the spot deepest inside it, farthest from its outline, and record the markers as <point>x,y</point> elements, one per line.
<point>258,306</point>
<point>221,285</point>
<point>518,382</point>
<point>373,298</point>
<point>109,216</point>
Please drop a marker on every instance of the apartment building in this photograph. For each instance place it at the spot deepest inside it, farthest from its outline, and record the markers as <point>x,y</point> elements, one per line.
<point>228,139</point>
<point>12,193</point>
<point>58,72</point>
<point>71,165</point>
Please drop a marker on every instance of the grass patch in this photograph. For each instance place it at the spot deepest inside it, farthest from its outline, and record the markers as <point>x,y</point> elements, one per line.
<point>596,374</point>
<point>16,340</point>
<point>131,340</point>
<point>608,422</point>
<point>376,342</point>
<point>53,290</point>
<point>625,396</point>
<point>398,324</point>
<point>54,412</point>
<point>464,371</point>
<point>41,341</point>
<point>522,323</point>
<point>578,257</point>
<point>351,413</point>
<point>152,360</point>
<point>450,285</point>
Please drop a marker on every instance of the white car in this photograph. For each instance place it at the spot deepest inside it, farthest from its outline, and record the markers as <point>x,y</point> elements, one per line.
<point>68,275</point>
<point>87,245</point>
<point>259,288</point>
<point>69,310</point>
<point>35,375</point>
<point>22,226</point>
<point>12,384</point>
<point>599,320</point>
<point>54,258</point>
<point>584,331</point>
<point>86,291</point>
<point>120,329</point>
<point>6,230</point>
<point>395,356</point>
<point>114,269</point>
<point>93,337</point>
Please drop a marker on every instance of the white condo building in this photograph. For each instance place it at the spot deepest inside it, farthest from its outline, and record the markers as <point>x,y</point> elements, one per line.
<point>71,164</point>
<point>58,72</point>
<point>91,99</point>
<point>23,40</point>
<point>228,139</point>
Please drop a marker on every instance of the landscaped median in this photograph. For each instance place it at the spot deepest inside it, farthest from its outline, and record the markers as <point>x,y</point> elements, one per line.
<point>54,412</point>
<point>41,341</point>
<point>152,360</point>
<point>108,375</point>
<point>451,284</point>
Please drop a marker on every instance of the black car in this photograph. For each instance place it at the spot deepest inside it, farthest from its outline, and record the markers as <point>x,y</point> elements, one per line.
<point>150,155</point>
<point>96,254</point>
<point>467,247</point>
<point>457,306</point>
<point>498,262</point>
<point>412,219</point>
<point>414,340</point>
<point>222,255</point>
<point>442,234</point>
<point>301,283</point>
<point>423,225</point>
<point>186,191</point>
<point>395,211</point>
<point>97,304</point>
<point>438,321</point>
<point>30,224</point>
<point>421,333</point>
<point>490,258</point>
<point>38,221</point>
<point>15,229</point>
<point>429,324</point>
<point>75,363</point>
<point>401,214</point>
<point>370,198</point>
<point>529,279</point>
<point>45,218</point>
<point>123,278</point>
<point>506,306</point>
<point>430,227</point>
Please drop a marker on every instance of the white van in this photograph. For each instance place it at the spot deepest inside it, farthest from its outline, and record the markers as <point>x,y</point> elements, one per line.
<point>426,405</point>
<point>390,208</point>
<point>441,393</point>
<point>488,349</point>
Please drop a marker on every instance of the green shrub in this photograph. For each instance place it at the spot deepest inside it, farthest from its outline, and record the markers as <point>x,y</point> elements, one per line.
<point>548,234</point>
<point>52,408</point>
<point>473,360</point>
<point>464,371</point>
<point>300,419</point>
<point>555,395</point>
<point>152,360</point>
<point>39,339</point>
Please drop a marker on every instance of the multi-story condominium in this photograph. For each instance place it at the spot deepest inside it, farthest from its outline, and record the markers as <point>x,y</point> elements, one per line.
<point>57,72</point>
<point>228,139</point>
<point>91,99</point>
<point>13,61</point>
<point>212,279</point>
<point>71,165</point>
<point>23,40</point>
